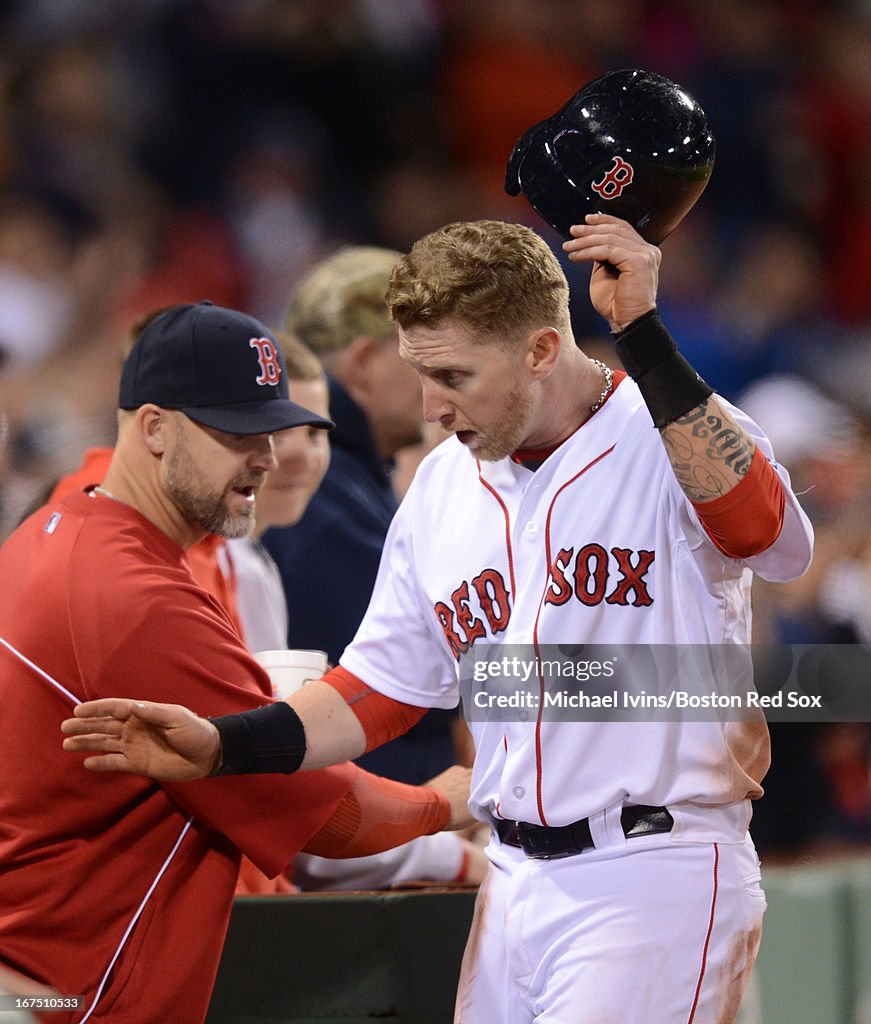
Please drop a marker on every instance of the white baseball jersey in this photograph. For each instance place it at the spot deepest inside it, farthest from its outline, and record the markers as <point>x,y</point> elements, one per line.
<point>599,545</point>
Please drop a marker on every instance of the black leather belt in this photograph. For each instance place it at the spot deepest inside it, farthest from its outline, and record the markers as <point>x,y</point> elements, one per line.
<point>542,842</point>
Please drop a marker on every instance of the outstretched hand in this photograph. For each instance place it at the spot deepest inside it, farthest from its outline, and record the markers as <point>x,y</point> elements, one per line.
<point>454,783</point>
<point>625,276</point>
<point>169,743</point>
<point>166,742</point>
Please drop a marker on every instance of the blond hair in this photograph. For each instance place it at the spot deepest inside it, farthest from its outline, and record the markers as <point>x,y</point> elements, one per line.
<point>499,279</point>
<point>342,299</point>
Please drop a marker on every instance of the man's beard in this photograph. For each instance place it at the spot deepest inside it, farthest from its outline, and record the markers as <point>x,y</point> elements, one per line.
<point>207,508</point>
<point>504,438</point>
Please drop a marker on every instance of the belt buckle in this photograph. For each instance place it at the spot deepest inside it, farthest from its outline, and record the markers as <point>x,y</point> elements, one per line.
<point>542,842</point>
<point>537,841</point>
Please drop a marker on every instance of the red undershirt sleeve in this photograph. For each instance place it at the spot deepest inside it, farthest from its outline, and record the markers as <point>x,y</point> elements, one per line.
<point>749,518</point>
<point>378,814</point>
<point>382,718</point>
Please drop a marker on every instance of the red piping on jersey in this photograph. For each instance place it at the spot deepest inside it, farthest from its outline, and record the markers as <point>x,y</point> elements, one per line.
<point>504,508</point>
<point>707,937</point>
<point>138,912</point>
<point>538,759</point>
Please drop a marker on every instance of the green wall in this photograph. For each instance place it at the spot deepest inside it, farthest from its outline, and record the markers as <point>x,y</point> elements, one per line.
<point>395,956</point>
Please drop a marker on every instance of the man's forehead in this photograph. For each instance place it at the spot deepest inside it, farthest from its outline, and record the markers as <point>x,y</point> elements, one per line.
<point>440,347</point>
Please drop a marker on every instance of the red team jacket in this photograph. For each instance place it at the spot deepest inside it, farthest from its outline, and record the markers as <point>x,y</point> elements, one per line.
<point>114,887</point>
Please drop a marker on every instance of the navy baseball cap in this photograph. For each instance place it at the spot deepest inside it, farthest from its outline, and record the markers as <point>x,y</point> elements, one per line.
<point>220,367</point>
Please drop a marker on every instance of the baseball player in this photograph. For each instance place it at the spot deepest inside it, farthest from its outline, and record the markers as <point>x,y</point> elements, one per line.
<point>573,504</point>
<point>118,891</point>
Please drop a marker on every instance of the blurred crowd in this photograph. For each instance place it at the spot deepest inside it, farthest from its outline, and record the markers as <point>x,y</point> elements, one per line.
<point>163,151</point>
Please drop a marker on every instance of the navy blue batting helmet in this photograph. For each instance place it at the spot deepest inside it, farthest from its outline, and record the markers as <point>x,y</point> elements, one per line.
<point>630,143</point>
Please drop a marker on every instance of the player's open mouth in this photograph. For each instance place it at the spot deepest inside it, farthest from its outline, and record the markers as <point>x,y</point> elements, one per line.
<point>248,493</point>
<point>466,436</point>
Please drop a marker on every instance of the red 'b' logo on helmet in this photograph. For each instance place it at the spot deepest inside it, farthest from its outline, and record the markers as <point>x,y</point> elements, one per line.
<point>614,180</point>
<point>270,368</point>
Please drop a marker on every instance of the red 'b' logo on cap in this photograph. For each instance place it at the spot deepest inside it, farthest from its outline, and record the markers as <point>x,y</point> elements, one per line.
<point>270,368</point>
<point>614,180</point>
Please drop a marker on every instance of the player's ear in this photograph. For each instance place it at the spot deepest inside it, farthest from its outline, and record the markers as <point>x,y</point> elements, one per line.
<point>543,349</point>
<point>154,427</point>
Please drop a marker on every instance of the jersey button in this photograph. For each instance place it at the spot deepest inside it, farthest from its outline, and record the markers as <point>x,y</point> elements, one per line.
<point>519,792</point>
<point>532,528</point>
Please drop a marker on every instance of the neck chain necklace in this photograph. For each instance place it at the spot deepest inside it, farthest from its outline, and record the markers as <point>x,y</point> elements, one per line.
<point>608,374</point>
<point>101,490</point>
<point>534,463</point>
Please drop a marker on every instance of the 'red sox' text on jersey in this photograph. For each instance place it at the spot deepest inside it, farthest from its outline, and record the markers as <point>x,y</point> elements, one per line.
<point>597,545</point>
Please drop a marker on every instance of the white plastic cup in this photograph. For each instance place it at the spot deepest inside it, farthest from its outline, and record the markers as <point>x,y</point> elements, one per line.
<point>291,669</point>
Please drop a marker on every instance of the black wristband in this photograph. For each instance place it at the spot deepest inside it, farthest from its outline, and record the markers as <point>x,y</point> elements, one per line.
<point>267,739</point>
<point>668,384</point>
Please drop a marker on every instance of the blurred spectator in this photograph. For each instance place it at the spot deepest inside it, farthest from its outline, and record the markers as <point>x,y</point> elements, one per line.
<point>764,314</point>
<point>39,240</point>
<point>830,124</point>
<point>817,791</point>
<point>845,754</point>
<point>821,444</point>
<point>420,193</point>
<point>273,199</point>
<point>510,63</point>
<point>339,312</point>
<point>740,72</point>
<point>303,455</point>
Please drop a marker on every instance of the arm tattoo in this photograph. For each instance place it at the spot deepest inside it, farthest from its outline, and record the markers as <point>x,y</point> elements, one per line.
<point>708,451</point>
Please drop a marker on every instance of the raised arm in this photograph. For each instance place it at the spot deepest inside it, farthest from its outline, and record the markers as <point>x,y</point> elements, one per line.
<point>709,451</point>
